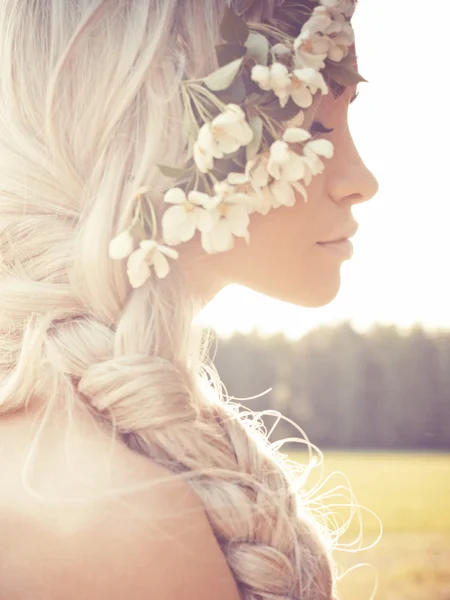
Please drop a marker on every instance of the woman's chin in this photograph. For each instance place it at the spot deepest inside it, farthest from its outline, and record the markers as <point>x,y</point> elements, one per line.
<point>312,294</point>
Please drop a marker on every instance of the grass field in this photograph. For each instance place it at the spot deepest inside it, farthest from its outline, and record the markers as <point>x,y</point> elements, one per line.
<point>411,495</point>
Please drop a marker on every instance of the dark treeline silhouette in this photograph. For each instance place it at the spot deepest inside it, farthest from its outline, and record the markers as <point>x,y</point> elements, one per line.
<point>384,389</point>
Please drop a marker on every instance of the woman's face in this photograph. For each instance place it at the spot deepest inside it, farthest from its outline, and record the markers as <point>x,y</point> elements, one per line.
<point>284,259</point>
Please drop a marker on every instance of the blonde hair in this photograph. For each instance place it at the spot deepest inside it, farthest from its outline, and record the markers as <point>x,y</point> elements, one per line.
<point>89,103</point>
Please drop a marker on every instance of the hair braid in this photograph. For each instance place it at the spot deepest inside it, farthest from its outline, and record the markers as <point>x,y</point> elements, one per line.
<point>158,405</point>
<point>72,157</point>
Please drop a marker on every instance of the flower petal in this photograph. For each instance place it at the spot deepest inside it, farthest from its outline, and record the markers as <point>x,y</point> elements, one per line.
<point>187,231</point>
<point>283,95</point>
<point>235,109</point>
<point>296,135</point>
<point>238,219</point>
<point>302,96</point>
<point>173,223</point>
<point>336,54</point>
<point>279,152</point>
<point>161,265</point>
<point>220,239</point>
<point>175,196</point>
<point>264,202</point>
<point>148,245</point>
<point>121,246</point>
<point>261,76</point>
<point>321,147</point>
<point>206,220</point>
<point>313,79</point>
<point>279,76</point>
<point>295,168</point>
<point>228,144</point>
<point>283,193</point>
<point>170,252</point>
<point>301,190</point>
<point>205,138</point>
<point>203,159</point>
<point>315,165</point>
<point>259,174</point>
<point>137,268</point>
<point>237,178</point>
<point>199,198</point>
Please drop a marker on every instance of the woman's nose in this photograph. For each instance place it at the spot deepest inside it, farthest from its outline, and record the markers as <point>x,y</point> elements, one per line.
<point>353,182</point>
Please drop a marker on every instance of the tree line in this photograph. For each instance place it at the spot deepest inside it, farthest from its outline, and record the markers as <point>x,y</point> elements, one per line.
<point>382,389</point>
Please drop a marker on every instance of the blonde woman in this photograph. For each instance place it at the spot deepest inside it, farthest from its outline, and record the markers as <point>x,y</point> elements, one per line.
<point>136,181</point>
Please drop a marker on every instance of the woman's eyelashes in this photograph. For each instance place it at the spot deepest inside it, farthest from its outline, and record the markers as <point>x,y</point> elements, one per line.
<point>318,128</point>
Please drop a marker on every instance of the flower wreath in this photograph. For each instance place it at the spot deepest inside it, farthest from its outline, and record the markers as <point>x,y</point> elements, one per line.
<point>241,159</point>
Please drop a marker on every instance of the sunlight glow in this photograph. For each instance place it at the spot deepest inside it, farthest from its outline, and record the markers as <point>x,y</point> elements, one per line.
<point>399,272</point>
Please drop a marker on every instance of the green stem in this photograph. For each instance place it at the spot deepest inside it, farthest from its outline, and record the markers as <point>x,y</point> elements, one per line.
<point>204,115</point>
<point>188,107</point>
<point>213,177</point>
<point>200,89</point>
<point>154,221</point>
<point>268,121</point>
<point>273,31</point>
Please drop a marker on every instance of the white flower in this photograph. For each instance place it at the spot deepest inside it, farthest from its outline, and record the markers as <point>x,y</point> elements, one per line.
<point>150,254</point>
<point>230,212</point>
<point>283,193</point>
<point>188,213</point>
<point>261,76</point>
<point>319,21</point>
<point>254,182</point>
<point>327,34</point>
<point>312,150</point>
<point>231,130</point>
<point>205,149</point>
<point>304,85</point>
<point>224,135</point>
<point>341,37</point>
<point>276,77</point>
<point>281,53</point>
<point>342,7</point>
<point>311,50</point>
<point>287,167</point>
<point>301,84</point>
<point>121,246</point>
<point>285,164</point>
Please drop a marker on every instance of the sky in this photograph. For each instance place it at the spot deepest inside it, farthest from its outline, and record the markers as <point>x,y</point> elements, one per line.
<point>399,272</point>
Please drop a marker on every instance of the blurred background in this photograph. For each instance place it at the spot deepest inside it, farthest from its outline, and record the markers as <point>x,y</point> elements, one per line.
<point>368,376</point>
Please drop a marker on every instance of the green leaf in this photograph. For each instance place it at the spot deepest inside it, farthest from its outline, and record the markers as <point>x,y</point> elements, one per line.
<point>281,113</point>
<point>223,77</point>
<point>172,172</point>
<point>232,28</point>
<point>343,75</point>
<point>258,48</point>
<point>227,53</point>
<point>235,94</point>
<point>242,6</point>
<point>252,149</point>
<point>257,98</point>
<point>227,165</point>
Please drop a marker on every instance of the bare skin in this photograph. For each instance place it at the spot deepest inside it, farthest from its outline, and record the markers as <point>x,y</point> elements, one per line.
<point>154,542</point>
<point>283,259</point>
<point>160,544</point>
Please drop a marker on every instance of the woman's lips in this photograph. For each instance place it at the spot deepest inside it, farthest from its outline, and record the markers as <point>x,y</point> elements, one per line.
<point>342,248</point>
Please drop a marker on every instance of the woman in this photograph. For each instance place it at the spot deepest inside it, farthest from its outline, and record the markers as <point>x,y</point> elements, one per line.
<point>137,181</point>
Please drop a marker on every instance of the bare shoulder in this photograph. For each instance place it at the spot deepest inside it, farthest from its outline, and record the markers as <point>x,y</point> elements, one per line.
<point>154,542</point>
<point>160,545</point>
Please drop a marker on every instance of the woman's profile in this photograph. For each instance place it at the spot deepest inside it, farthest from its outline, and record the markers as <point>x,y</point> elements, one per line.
<point>152,152</point>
